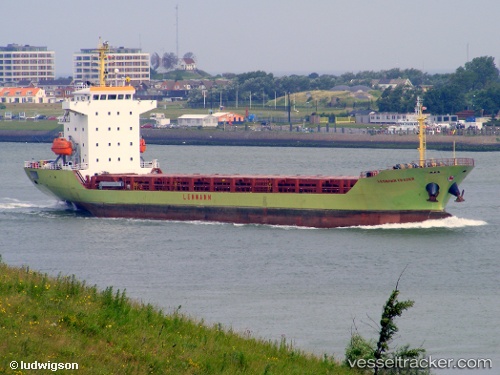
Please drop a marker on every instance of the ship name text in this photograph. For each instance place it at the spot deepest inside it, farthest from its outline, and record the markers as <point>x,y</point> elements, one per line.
<point>197,197</point>
<point>408,179</point>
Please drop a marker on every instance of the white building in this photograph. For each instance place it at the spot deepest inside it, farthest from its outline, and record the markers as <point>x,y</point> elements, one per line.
<point>22,95</point>
<point>104,123</point>
<point>26,63</point>
<point>390,118</point>
<point>197,120</point>
<point>122,64</point>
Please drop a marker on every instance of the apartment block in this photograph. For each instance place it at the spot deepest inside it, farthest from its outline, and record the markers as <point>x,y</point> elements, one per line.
<point>26,63</point>
<point>123,64</point>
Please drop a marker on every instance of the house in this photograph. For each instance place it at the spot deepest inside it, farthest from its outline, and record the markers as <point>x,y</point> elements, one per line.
<point>229,118</point>
<point>57,89</point>
<point>175,90</point>
<point>392,83</point>
<point>22,95</point>
<point>389,118</point>
<point>197,121</point>
<point>362,116</point>
<point>187,63</point>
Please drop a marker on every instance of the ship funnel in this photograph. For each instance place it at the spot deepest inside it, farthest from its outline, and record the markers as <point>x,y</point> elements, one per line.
<point>433,191</point>
<point>454,190</point>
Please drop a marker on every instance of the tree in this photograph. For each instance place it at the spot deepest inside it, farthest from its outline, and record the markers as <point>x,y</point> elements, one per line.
<point>169,60</point>
<point>155,61</point>
<point>488,100</point>
<point>378,354</point>
<point>445,99</point>
<point>190,55</point>
<point>478,73</point>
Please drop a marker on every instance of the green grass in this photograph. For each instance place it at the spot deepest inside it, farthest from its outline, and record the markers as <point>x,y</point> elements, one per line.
<point>62,320</point>
<point>42,125</point>
<point>48,109</point>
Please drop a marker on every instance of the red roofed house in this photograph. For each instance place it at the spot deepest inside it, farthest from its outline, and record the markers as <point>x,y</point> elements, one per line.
<point>187,63</point>
<point>22,95</point>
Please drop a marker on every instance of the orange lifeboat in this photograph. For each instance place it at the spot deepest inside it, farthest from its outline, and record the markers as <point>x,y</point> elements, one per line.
<point>61,146</point>
<point>142,145</point>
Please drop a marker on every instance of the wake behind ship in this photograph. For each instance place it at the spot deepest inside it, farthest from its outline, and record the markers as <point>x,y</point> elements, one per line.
<point>99,169</point>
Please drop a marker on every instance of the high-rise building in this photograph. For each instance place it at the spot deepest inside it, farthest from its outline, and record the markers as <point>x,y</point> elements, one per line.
<point>121,64</point>
<point>26,63</point>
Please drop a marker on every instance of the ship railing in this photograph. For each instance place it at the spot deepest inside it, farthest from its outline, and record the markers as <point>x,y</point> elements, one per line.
<point>150,164</point>
<point>446,162</point>
<point>51,164</point>
<point>428,163</point>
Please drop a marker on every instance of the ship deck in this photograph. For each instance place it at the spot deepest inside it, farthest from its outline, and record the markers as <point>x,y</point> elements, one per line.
<point>223,183</point>
<point>234,183</point>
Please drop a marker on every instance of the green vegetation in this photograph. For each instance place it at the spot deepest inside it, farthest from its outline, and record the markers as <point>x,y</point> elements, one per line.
<point>30,110</point>
<point>475,86</point>
<point>42,125</point>
<point>379,358</point>
<point>62,320</point>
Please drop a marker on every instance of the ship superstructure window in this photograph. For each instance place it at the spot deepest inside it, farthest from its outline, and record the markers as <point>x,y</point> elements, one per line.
<point>96,129</point>
<point>97,144</point>
<point>109,129</point>
<point>118,113</point>
<point>128,96</point>
<point>109,113</point>
<point>109,144</point>
<point>103,97</point>
<point>97,113</point>
<point>112,97</point>
<point>95,97</point>
<point>120,97</point>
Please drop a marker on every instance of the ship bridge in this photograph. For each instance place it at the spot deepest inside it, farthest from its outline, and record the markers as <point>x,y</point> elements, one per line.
<point>104,124</point>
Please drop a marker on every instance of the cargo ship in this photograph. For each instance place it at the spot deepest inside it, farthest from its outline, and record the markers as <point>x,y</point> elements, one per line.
<point>99,168</point>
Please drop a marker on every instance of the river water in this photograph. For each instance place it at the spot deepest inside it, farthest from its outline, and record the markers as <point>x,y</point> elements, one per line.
<point>310,286</point>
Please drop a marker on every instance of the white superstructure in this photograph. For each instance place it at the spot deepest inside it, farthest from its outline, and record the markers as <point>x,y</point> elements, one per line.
<point>103,123</point>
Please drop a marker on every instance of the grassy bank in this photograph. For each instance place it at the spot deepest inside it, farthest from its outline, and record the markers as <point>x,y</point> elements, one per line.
<point>62,320</point>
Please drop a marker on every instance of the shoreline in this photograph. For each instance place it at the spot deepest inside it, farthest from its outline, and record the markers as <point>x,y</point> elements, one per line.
<point>283,139</point>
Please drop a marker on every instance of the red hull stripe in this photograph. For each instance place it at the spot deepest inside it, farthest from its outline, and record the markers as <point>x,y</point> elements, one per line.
<point>242,215</point>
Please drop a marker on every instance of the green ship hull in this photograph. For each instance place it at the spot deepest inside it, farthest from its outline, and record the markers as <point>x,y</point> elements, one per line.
<point>377,197</point>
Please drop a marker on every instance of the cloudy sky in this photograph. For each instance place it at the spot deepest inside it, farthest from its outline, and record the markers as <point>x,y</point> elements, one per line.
<point>276,36</point>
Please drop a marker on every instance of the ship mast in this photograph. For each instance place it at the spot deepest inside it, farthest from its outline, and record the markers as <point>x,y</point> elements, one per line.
<point>102,49</point>
<point>421,132</point>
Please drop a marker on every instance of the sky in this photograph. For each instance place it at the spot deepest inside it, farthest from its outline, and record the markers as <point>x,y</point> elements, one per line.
<point>275,36</point>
